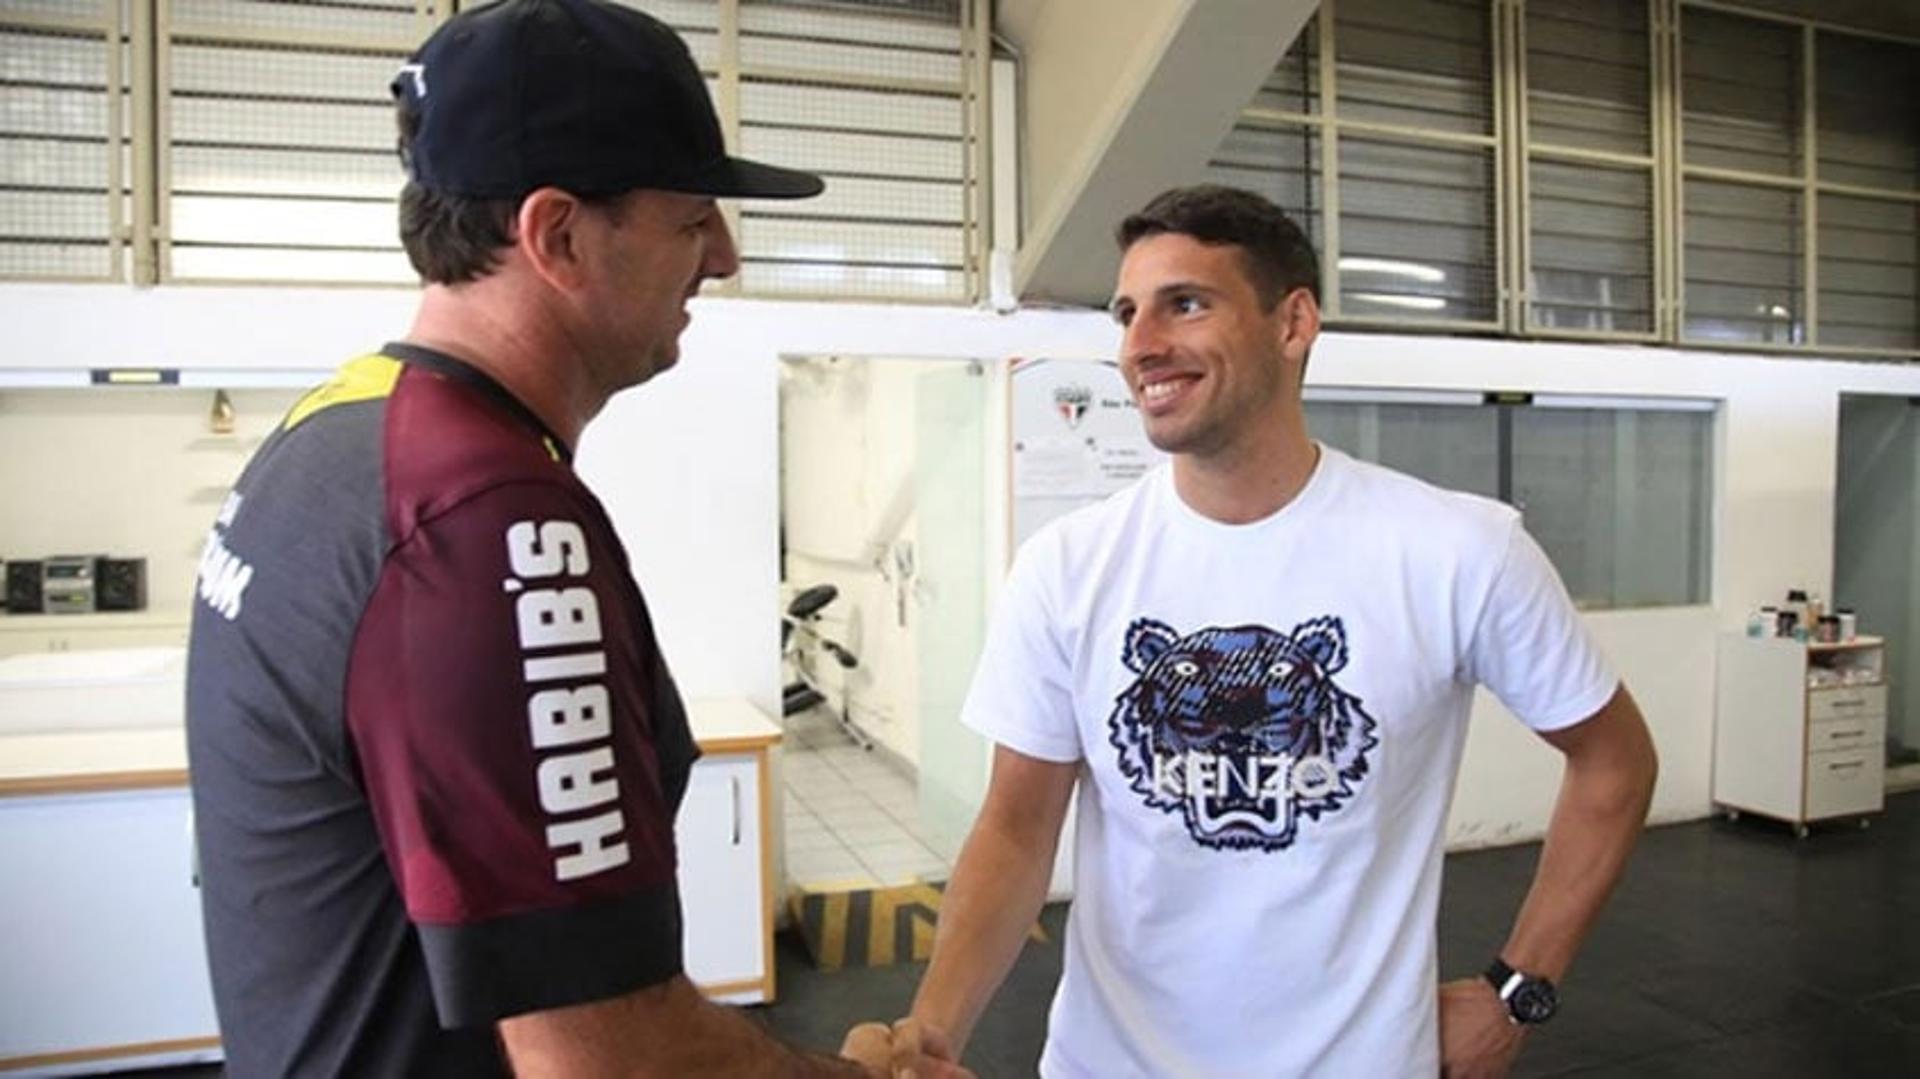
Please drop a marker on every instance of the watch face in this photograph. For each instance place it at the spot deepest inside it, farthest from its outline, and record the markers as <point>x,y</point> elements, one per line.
<point>1533,1001</point>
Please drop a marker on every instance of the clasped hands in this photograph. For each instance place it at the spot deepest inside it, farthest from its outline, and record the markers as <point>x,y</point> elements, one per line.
<point>909,1049</point>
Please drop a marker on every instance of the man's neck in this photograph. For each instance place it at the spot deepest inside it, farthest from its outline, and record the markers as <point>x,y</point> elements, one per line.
<point>1251,481</point>
<point>516,345</point>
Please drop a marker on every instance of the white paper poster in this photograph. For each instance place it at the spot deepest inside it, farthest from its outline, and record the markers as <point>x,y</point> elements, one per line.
<point>1076,439</point>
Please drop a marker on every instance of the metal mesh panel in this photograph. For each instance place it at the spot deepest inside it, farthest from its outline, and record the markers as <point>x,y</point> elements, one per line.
<point>682,15</point>
<point>932,26</point>
<point>1417,231</point>
<point>1591,248</point>
<point>57,146</point>
<point>843,154</point>
<point>1867,273</point>
<point>1282,164</point>
<point>390,20</point>
<point>280,159</point>
<point>1416,63</point>
<point>875,102</point>
<point>696,21</point>
<point>1740,93</point>
<point>1743,263</point>
<point>77,11</point>
<point>1587,74</point>
<point>1868,95</point>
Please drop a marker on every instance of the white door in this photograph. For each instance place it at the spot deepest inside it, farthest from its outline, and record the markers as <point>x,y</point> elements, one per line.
<point>950,402</point>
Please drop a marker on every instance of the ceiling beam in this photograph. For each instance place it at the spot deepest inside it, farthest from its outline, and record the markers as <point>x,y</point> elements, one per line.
<point>1117,109</point>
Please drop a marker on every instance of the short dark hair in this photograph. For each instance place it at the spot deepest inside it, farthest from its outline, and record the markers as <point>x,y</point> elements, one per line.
<point>1277,254</point>
<point>451,239</point>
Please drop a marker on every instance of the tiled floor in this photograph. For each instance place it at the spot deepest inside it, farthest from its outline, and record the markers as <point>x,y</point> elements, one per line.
<point>852,815</point>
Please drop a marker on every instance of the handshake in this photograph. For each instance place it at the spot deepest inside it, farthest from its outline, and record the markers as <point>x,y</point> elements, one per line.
<point>909,1049</point>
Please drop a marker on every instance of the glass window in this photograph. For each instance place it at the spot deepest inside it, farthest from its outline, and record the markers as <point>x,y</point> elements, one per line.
<point>1744,263</point>
<point>1587,75</point>
<point>1591,252</point>
<point>1425,64</point>
<point>1867,273</point>
<point>1282,163</point>
<point>1417,231</point>
<point>1740,92</point>
<point>1619,498</point>
<point>1868,96</point>
<point>1451,446</point>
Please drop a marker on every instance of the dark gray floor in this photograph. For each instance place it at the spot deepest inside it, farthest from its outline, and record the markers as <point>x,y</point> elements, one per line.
<point>1729,950</point>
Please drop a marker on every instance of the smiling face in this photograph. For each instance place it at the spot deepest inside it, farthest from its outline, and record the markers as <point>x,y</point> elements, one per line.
<point>1207,363</point>
<point>650,253</point>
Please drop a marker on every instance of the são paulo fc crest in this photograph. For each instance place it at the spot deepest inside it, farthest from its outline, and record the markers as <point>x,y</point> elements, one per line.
<point>1072,402</point>
<point>1242,730</point>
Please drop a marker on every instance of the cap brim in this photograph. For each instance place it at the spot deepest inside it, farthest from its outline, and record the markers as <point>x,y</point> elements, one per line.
<point>738,178</point>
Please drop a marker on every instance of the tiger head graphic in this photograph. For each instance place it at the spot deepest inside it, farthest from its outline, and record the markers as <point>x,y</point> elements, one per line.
<point>1242,730</point>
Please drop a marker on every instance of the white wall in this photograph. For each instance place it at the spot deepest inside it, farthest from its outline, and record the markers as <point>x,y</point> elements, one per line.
<point>688,467</point>
<point>125,472</point>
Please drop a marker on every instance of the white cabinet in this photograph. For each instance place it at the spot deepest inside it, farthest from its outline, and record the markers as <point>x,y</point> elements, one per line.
<point>1800,729</point>
<point>725,834</point>
<point>23,633</point>
<point>724,880</point>
<point>105,962</point>
<point>105,966</point>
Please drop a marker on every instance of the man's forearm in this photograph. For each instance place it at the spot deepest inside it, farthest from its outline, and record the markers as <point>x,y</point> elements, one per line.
<point>998,887</point>
<point>664,1030</point>
<point>1601,811</point>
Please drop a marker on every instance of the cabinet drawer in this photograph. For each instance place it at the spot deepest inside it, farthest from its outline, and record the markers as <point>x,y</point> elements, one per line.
<point>1850,732</point>
<point>1840,702</point>
<point>1845,781</point>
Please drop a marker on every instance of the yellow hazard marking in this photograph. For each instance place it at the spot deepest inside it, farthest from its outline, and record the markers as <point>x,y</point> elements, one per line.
<point>917,902</point>
<point>833,931</point>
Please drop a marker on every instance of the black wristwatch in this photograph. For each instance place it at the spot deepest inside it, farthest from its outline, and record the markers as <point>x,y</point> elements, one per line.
<point>1529,1000</point>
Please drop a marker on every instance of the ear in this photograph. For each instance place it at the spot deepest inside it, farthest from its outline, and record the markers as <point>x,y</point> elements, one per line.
<point>1147,641</point>
<point>1324,640</point>
<point>546,233</point>
<point>1299,325</point>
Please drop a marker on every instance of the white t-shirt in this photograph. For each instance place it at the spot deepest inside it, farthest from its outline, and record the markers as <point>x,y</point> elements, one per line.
<point>1270,717</point>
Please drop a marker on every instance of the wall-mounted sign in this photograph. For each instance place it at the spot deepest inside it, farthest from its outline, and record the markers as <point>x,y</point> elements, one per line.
<point>1076,438</point>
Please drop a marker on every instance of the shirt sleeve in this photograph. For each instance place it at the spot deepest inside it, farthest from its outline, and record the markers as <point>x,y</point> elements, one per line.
<point>1531,647</point>
<point>1022,695</point>
<point>522,749</point>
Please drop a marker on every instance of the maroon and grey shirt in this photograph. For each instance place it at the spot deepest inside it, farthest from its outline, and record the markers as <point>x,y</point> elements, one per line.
<point>436,754</point>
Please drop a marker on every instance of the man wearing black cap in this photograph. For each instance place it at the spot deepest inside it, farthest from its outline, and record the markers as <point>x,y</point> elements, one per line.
<point>436,753</point>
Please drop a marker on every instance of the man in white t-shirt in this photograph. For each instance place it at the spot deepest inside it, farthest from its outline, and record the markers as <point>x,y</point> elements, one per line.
<point>1256,667</point>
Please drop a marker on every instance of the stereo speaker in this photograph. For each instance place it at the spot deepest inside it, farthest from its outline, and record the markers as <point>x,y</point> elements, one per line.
<point>24,594</point>
<point>120,584</point>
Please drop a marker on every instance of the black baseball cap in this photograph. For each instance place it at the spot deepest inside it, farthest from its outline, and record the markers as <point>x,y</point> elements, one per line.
<point>584,95</point>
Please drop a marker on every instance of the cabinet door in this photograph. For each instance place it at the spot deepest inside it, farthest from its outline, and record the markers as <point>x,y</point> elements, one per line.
<point>103,939</point>
<point>721,888</point>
